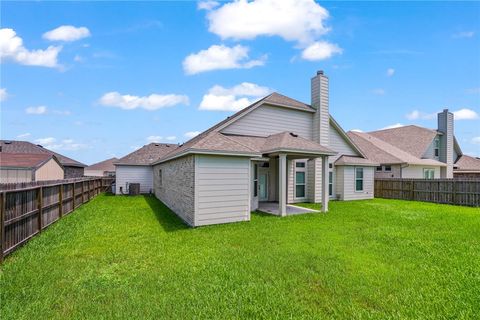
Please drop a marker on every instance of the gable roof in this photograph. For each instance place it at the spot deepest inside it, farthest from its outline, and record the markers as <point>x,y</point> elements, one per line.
<point>105,165</point>
<point>25,160</point>
<point>382,152</point>
<point>146,154</point>
<point>412,139</point>
<point>355,161</point>
<point>467,164</point>
<point>283,101</point>
<point>13,146</point>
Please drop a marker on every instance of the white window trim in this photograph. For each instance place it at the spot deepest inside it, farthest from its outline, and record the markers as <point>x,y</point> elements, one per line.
<point>333,184</point>
<point>355,180</point>
<point>303,169</point>
<point>430,170</point>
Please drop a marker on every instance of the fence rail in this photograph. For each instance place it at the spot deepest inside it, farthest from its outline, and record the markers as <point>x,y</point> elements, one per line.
<point>448,191</point>
<point>28,208</point>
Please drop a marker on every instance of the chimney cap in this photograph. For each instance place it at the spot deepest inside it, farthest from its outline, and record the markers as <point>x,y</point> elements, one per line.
<point>320,72</point>
<point>445,110</point>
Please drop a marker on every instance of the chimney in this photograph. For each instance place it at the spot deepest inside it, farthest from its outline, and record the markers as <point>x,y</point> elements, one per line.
<point>445,126</point>
<point>321,124</point>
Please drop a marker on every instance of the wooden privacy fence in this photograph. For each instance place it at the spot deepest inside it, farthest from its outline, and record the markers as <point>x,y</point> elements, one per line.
<point>26,211</point>
<point>449,191</point>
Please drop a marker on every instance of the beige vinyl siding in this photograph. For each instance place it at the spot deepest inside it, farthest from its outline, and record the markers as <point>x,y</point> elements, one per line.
<point>314,180</point>
<point>134,174</point>
<point>290,181</point>
<point>267,120</point>
<point>346,183</point>
<point>395,173</point>
<point>222,189</point>
<point>416,172</point>
<point>176,187</point>
<point>50,170</point>
<point>93,173</point>
<point>339,144</point>
<point>321,118</point>
<point>15,175</point>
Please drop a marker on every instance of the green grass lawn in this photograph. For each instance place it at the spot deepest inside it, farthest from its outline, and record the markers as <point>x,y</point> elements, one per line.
<point>130,257</point>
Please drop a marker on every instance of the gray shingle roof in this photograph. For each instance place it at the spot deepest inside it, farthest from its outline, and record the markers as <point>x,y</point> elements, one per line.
<point>281,100</point>
<point>352,161</point>
<point>13,146</point>
<point>147,154</point>
<point>24,160</point>
<point>467,163</point>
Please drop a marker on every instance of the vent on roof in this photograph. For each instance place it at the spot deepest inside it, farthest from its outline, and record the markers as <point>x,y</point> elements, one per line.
<point>293,134</point>
<point>39,145</point>
<point>7,142</point>
<point>156,144</point>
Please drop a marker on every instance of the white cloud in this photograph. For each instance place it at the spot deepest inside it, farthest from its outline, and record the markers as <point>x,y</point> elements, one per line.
<point>357,130</point>
<point>235,98</point>
<point>390,72</point>
<point>36,110</point>
<point>207,5</point>
<point>393,126</point>
<point>220,57</point>
<point>293,20</point>
<point>62,112</point>
<point>23,135</point>
<point>464,34</point>
<point>67,33</point>
<point>476,140</point>
<point>11,48</point>
<point>191,134</point>
<point>78,58</point>
<point>171,138</point>
<point>3,94</point>
<point>419,115</point>
<point>320,50</point>
<point>465,114</point>
<point>151,139</point>
<point>473,90</point>
<point>151,102</point>
<point>65,144</point>
<point>378,91</point>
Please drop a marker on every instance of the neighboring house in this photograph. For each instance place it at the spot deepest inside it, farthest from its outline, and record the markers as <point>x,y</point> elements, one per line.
<point>72,168</point>
<point>23,167</point>
<point>417,152</point>
<point>275,152</point>
<point>136,167</point>
<point>104,168</point>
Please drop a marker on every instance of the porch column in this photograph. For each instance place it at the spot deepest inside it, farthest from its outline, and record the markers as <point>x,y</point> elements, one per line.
<point>282,184</point>
<point>325,195</point>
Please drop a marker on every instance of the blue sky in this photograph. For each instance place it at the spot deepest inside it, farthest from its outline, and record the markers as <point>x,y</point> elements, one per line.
<point>118,75</point>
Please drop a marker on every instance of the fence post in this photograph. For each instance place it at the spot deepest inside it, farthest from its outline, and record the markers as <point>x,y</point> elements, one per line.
<point>412,192</point>
<point>83,192</point>
<point>60,201</point>
<point>2,225</point>
<point>40,208</point>
<point>454,196</point>
<point>73,195</point>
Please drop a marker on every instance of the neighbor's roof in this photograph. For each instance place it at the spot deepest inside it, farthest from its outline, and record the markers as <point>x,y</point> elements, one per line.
<point>355,161</point>
<point>380,151</point>
<point>147,154</point>
<point>106,165</point>
<point>24,160</point>
<point>12,146</point>
<point>467,163</point>
<point>412,139</point>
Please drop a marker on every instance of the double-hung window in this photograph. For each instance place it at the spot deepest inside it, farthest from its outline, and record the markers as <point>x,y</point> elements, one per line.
<point>300,180</point>
<point>255,180</point>
<point>330,183</point>
<point>437,147</point>
<point>358,179</point>
<point>429,173</point>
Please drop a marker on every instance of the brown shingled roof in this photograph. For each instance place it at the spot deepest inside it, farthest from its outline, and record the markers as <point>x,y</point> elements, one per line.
<point>13,146</point>
<point>412,139</point>
<point>147,154</point>
<point>281,100</point>
<point>23,160</point>
<point>105,165</point>
<point>467,163</point>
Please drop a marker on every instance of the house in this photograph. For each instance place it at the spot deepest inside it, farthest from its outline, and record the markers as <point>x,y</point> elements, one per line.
<point>104,168</point>
<point>417,152</point>
<point>136,167</point>
<point>24,167</point>
<point>268,156</point>
<point>71,168</point>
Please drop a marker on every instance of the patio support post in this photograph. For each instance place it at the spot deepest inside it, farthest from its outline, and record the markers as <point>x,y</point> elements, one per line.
<point>282,184</point>
<point>325,184</point>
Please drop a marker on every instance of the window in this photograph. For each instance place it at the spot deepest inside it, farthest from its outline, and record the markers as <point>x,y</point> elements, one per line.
<point>330,165</point>
<point>255,180</point>
<point>437,147</point>
<point>379,168</point>
<point>429,173</point>
<point>300,180</point>
<point>358,179</point>
<point>388,168</point>
<point>330,183</point>
<point>160,178</point>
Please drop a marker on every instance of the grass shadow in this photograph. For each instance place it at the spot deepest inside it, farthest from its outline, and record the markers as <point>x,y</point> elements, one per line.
<point>169,221</point>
